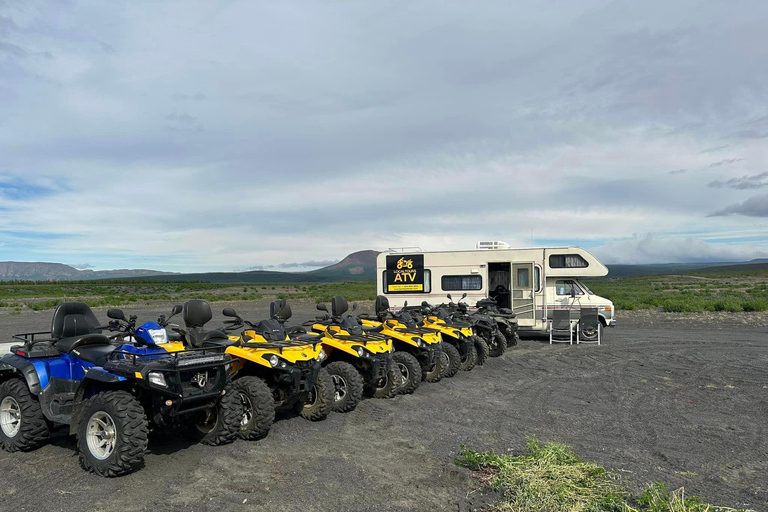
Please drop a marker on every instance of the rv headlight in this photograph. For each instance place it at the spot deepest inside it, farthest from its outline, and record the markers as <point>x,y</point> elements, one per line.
<point>158,379</point>
<point>159,336</point>
<point>322,355</point>
<point>273,360</point>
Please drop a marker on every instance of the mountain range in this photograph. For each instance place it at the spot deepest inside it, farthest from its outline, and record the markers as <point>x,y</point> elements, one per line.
<point>358,266</point>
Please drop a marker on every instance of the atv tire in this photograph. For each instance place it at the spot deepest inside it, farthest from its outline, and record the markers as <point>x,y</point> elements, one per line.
<point>410,371</point>
<point>23,425</point>
<point>435,372</point>
<point>258,407</point>
<point>481,347</point>
<point>347,386</point>
<point>498,345</point>
<point>112,433</point>
<point>453,360</point>
<point>321,398</point>
<point>513,339</point>
<point>388,387</point>
<point>222,423</point>
<point>469,359</point>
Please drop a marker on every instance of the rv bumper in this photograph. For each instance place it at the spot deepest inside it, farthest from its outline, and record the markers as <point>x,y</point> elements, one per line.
<point>612,323</point>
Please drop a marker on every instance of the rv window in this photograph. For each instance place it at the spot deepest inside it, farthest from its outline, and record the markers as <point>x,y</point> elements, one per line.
<point>567,261</point>
<point>563,287</point>
<point>523,278</point>
<point>537,278</point>
<point>458,283</point>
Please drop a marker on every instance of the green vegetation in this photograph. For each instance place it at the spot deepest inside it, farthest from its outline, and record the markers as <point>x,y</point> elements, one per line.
<point>42,295</point>
<point>692,293</point>
<point>553,478</point>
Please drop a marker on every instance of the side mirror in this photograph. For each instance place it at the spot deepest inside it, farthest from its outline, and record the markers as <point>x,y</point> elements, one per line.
<point>178,308</point>
<point>573,293</point>
<point>405,304</point>
<point>230,313</point>
<point>322,307</point>
<point>463,296</point>
<point>449,297</point>
<point>354,306</point>
<point>116,314</point>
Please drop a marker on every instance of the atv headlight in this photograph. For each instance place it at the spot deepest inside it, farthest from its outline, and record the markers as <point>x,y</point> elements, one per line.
<point>420,343</point>
<point>322,355</point>
<point>159,336</point>
<point>158,379</point>
<point>273,360</point>
<point>360,351</point>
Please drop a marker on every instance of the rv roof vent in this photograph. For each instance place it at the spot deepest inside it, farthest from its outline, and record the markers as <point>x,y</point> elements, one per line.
<point>405,249</point>
<point>493,245</point>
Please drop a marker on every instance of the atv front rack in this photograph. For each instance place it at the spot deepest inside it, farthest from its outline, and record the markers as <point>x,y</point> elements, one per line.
<point>357,338</point>
<point>178,358</point>
<point>279,345</point>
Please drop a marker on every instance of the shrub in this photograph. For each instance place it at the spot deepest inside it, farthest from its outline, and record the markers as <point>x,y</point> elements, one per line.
<point>754,305</point>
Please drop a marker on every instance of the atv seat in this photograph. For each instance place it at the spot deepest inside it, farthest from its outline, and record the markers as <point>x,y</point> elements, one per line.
<point>74,325</point>
<point>197,313</point>
<point>96,354</point>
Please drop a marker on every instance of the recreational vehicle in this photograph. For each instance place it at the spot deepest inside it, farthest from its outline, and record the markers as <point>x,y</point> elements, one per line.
<point>532,282</point>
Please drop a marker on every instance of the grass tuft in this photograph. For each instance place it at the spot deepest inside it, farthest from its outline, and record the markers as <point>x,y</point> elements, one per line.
<point>552,478</point>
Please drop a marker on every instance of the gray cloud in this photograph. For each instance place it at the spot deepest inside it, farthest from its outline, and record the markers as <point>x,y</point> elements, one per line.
<point>198,96</point>
<point>743,183</point>
<point>539,120</point>
<point>181,118</point>
<point>727,161</point>
<point>756,206</point>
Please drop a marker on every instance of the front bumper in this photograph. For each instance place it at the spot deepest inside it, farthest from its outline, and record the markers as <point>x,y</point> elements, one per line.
<point>612,323</point>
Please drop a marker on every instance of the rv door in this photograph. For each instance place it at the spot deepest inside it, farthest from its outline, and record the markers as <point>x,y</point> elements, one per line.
<point>522,293</point>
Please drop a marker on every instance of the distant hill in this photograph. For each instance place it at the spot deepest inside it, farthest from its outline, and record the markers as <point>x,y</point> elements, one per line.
<point>42,271</point>
<point>358,266</point>
<point>616,271</point>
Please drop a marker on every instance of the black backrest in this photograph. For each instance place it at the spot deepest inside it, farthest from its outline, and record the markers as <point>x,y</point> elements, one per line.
<point>561,319</point>
<point>339,306</point>
<point>197,313</point>
<point>589,317</point>
<point>382,305</point>
<point>73,319</point>
<point>280,309</point>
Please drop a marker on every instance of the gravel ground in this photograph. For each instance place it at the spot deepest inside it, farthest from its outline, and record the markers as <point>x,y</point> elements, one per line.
<point>681,399</point>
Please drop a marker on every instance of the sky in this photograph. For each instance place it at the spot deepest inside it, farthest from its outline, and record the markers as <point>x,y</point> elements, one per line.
<point>193,136</point>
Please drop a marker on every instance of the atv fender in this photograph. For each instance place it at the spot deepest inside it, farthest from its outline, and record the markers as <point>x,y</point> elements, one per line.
<point>11,364</point>
<point>95,381</point>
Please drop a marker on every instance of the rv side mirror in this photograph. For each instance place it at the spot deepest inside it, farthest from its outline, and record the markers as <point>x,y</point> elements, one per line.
<point>178,308</point>
<point>573,292</point>
<point>116,314</point>
<point>322,307</point>
<point>230,313</point>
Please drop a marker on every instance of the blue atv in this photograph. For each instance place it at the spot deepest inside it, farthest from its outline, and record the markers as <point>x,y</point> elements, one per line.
<point>110,392</point>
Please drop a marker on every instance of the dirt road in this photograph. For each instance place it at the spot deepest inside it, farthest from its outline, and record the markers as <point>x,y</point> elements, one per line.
<point>670,400</point>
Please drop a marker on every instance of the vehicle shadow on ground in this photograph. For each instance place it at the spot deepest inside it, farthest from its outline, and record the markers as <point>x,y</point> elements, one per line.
<point>170,441</point>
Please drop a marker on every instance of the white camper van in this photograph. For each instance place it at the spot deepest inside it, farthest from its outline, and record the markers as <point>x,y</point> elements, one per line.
<point>532,282</point>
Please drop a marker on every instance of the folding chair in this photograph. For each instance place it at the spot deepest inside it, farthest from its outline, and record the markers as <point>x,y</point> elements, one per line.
<point>589,321</point>
<point>559,325</point>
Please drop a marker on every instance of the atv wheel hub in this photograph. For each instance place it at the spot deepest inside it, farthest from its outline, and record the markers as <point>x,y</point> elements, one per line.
<point>101,435</point>
<point>446,360</point>
<point>404,372</point>
<point>340,387</point>
<point>247,410</point>
<point>10,416</point>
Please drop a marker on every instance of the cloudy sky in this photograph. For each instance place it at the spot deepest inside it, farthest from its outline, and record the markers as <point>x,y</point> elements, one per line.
<point>229,135</point>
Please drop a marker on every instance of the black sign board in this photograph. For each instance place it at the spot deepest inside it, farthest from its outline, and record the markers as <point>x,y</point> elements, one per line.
<point>405,274</point>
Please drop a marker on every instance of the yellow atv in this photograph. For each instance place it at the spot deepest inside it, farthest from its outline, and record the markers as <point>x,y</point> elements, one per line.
<point>418,350</point>
<point>459,341</point>
<point>269,369</point>
<point>357,360</point>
